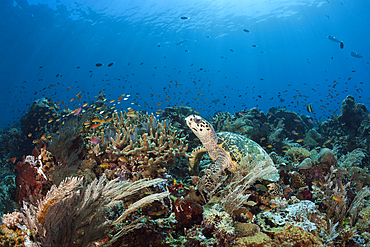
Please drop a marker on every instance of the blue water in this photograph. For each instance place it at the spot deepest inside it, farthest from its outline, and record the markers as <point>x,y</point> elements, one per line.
<point>207,62</point>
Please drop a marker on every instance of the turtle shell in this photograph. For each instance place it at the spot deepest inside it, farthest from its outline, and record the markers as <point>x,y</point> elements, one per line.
<point>239,147</point>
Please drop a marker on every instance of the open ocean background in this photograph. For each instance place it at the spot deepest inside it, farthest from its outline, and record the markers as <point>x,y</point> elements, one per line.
<point>185,52</point>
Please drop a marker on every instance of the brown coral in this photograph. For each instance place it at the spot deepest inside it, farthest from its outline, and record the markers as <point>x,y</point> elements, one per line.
<point>140,146</point>
<point>298,154</point>
<point>258,240</point>
<point>298,181</point>
<point>246,229</point>
<point>9,237</point>
<point>295,235</point>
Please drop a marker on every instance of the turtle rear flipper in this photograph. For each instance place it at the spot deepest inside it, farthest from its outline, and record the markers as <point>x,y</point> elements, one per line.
<point>194,160</point>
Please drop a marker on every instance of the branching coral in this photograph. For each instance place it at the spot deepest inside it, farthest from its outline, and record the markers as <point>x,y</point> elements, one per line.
<point>139,147</point>
<point>11,219</point>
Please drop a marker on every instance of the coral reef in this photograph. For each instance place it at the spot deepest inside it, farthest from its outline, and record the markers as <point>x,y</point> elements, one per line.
<point>113,178</point>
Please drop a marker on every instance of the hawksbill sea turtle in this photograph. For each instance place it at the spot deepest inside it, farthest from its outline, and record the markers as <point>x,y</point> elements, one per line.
<point>228,150</point>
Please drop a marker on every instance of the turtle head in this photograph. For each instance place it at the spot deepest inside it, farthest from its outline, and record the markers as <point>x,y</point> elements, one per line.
<point>201,128</point>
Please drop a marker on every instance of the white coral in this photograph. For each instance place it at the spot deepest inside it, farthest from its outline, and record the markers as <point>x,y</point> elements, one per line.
<point>220,219</point>
<point>280,203</point>
<point>10,220</point>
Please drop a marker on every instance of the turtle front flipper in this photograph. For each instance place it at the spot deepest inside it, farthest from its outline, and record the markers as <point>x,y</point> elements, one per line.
<point>194,160</point>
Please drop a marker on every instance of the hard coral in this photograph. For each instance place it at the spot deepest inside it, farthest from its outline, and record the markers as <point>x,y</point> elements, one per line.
<point>10,237</point>
<point>298,154</point>
<point>218,223</point>
<point>296,236</point>
<point>139,146</point>
<point>258,240</point>
<point>246,229</point>
<point>11,219</point>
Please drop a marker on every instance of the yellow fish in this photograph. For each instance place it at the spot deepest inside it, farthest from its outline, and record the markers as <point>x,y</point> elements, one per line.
<point>123,159</point>
<point>338,199</point>
<point>105,165</point>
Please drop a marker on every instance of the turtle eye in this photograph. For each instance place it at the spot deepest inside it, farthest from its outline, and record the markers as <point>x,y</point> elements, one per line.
<point>197,120</point>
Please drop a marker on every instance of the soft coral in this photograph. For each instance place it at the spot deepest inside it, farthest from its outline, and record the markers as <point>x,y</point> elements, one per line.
<point>29,183</point>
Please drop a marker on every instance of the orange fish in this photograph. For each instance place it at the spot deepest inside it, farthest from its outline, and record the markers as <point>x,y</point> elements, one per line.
<point>120,97</point>
<point>299,140</point>
<point>95,126</point>
<point>338,199</point>
<point>250,216</point>
<point>14,160</point>
<point>123,159</point>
